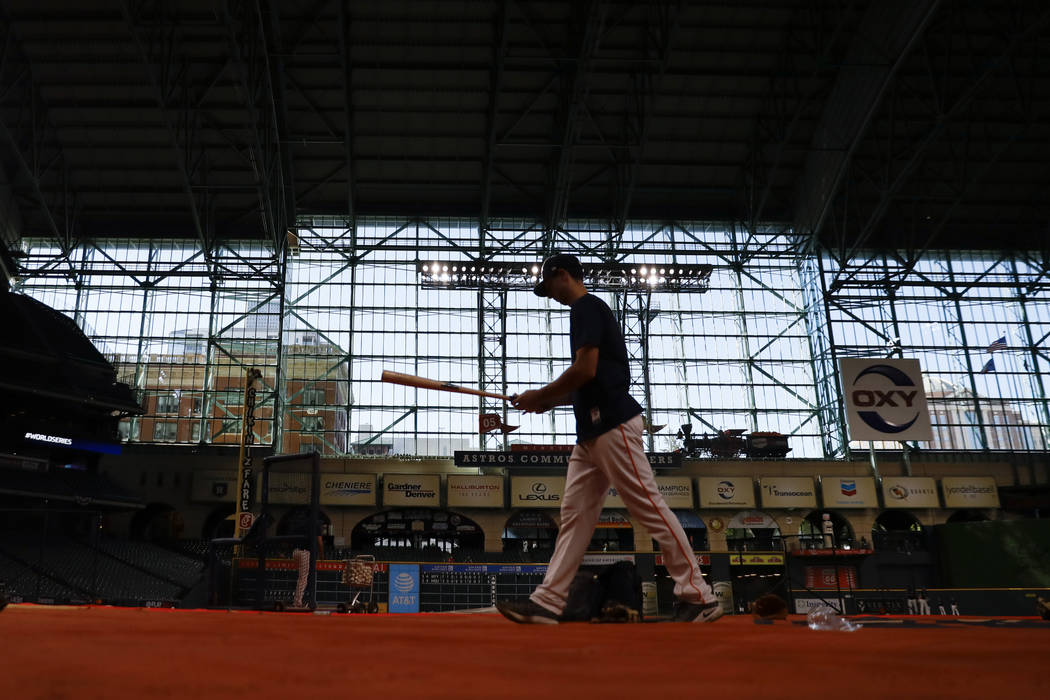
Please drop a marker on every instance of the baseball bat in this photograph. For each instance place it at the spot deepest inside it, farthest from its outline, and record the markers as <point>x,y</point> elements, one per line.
<point>424,383</point>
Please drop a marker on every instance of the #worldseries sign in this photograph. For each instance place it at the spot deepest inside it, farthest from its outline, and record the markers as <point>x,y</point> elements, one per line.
<point>884,399</point>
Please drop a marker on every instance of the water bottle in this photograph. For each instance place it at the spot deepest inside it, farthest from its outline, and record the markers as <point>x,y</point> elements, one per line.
<point>825,618</point>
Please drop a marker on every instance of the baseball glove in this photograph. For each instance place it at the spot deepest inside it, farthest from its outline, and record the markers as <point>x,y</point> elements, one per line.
<point>770,607</point>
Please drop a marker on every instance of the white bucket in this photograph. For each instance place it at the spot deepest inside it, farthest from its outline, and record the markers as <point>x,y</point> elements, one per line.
<point>650,605</point>
<point>724,592</point>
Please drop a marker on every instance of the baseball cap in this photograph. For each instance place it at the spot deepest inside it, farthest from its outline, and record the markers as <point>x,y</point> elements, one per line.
<point>558,261</point>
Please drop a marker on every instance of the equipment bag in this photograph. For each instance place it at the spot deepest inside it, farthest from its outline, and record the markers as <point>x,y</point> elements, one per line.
<point>611,594</point>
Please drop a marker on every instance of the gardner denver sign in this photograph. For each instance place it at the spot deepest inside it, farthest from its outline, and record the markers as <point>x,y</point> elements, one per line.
<point>411,490</point>
<point>884,400</point>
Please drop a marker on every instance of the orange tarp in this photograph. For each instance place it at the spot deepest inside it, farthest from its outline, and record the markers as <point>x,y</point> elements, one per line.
<point>116,653</point>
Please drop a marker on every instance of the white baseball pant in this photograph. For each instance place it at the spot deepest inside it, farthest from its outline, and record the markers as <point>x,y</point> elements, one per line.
<point>617,458</point>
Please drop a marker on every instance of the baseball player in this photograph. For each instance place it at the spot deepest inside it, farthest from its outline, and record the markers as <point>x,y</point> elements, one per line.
<point>608,452</point>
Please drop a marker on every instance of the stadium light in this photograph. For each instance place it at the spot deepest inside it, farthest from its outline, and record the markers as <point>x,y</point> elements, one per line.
<point>609,277</point>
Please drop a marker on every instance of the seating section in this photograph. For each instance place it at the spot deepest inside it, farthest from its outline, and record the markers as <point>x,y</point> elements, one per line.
<point>176,568</point>
<point>22,581</point>
<point>90,573</point>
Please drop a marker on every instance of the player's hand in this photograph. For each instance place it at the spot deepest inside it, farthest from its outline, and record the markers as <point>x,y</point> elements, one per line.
<point>529,402</point>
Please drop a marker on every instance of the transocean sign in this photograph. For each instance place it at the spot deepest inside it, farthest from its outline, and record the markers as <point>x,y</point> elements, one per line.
<point>884,399</point>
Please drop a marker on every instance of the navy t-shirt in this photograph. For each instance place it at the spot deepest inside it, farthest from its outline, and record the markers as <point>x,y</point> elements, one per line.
<point>602,403</point>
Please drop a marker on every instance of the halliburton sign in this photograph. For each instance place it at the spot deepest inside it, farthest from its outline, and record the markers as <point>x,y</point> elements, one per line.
<point>468,491</point>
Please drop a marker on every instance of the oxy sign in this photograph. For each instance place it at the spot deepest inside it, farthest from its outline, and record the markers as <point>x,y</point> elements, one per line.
<point>884,399</point>
<point>726,492</point>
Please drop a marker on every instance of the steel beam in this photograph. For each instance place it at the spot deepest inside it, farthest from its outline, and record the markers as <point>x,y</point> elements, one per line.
<point>789,99</point>
<point>253,32</point>
<point>885,37</point>
<point>347,66</point>
<point>499,52</point>
<point>26,128</point>
<point>585,34</point>
<point>160,47</point>
<point>663,18</point>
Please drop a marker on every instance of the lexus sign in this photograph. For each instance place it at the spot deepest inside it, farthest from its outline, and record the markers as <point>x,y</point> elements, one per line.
<point>884,400</point>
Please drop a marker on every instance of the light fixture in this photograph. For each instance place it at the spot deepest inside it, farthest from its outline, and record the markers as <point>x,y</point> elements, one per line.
<point>608,277</point>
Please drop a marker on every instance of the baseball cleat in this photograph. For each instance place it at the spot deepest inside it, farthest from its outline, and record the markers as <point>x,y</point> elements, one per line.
<point>697,612</point>
<point>525,612</point>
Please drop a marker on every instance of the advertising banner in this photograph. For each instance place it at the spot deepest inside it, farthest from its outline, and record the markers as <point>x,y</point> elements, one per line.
<point>213,487</point>
<point>909,492</point>
<point>289,488</point>
<point>348,489</point>
<point>536,491</point>
<point>970,492</point>
<point>829,578</point>
<point>404,588</point>
<point>702,559</point>
<point>676,490</point>
<point>849,492</point>
<point>752,520</point>
<point>726,492</point>
<point>787,492</point>
<point>412,490</point>
<point>293,489</point>
<point>467,491</point>
<point>540,457</point>
<point>613,500</point>
<point>756,560</point>
<point>884,399</point>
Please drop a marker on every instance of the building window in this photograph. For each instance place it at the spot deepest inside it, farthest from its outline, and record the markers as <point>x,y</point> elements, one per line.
<point>198,405</point>
<point>128,429</point>
<point>165,432</point>
<point>313,397</point>
<point>167,403</point>
<point>313,424</point>
<point>195,432</point>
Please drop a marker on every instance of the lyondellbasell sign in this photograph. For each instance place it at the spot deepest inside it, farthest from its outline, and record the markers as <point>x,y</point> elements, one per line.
<point>884,399</point>
<point>970,492</point>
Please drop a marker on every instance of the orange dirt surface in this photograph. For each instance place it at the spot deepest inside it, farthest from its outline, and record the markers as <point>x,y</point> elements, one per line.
<point>123,653</point>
